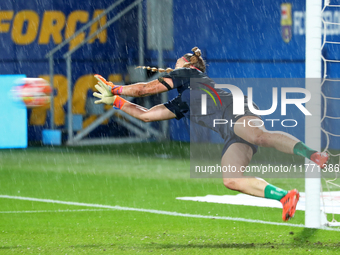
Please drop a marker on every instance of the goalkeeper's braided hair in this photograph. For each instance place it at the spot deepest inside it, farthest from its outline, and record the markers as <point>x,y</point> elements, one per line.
<point>155,69</point>
<point>194,59</point>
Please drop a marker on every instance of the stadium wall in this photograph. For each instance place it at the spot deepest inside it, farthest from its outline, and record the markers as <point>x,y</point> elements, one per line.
<point>238,39</point>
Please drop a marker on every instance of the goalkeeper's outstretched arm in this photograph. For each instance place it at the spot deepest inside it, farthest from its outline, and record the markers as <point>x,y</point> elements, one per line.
<point>141,89</point>
<point>156,113</point>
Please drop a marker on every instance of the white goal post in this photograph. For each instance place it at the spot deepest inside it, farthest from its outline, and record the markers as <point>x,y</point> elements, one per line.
<point>312,123</point>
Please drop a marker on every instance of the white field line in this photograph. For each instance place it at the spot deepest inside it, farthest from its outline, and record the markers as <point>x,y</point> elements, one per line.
<point>116,207</point>
<point>55,211</point>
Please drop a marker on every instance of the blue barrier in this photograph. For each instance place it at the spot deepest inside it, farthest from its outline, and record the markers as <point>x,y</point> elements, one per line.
<point>13,115</point>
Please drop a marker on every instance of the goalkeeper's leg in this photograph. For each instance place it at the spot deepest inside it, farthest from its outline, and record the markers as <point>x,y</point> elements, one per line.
<point>275,139</point>
<point>238,155</point>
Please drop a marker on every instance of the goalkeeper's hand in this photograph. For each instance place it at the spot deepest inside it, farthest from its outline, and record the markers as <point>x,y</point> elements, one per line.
<point>109,86</point>
<point>105,96</point>
<point>104,99</point>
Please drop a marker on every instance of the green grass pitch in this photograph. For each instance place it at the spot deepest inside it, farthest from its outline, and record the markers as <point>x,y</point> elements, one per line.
<point>148,176</point>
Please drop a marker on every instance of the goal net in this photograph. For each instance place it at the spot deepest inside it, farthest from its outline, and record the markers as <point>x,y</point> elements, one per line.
<point>329,190</point>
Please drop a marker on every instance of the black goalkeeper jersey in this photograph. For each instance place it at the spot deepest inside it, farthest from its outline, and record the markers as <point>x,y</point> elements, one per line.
<point>191,84</point>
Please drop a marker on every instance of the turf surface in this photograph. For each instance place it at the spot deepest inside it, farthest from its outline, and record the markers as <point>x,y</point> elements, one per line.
<point>148,176</point>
